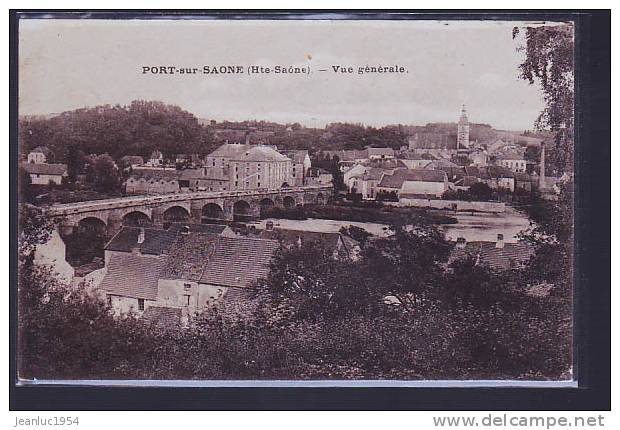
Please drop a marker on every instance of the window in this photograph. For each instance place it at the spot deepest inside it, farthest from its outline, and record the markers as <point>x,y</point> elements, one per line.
<point>259,185</point>
<point>187,286</point>
<point>109,300</point>
<point>213,163</point>
<point>141,304</point>
<point>186,299</point>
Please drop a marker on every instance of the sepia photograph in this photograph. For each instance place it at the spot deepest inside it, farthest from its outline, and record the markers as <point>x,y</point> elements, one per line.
<point>331,201</point>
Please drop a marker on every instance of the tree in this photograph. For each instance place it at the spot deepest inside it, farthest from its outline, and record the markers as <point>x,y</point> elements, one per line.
<point>549,60</point>
<point>103,173</point>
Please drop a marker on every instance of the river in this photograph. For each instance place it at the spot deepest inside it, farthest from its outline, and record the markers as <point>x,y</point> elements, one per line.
<point>473,227</point>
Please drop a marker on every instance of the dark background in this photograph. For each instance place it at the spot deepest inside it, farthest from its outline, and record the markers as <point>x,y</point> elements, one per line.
<point>592,253</point>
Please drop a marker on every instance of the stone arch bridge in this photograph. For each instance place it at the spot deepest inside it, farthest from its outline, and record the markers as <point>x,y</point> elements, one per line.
<point>194,207</point>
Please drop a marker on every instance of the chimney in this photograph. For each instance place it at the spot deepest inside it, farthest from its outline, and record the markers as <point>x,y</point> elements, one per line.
<point>141,235</point>
<point>500,241</point>
<point>299,241</point>
<point>269,225</point>
<point>461,242</point>
<point>542,182</point>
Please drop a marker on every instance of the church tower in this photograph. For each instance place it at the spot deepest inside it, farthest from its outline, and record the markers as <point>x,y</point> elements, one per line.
<point>462,139</point>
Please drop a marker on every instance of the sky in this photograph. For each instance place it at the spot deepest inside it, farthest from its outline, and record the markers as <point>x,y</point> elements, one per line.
<point>69,64</point>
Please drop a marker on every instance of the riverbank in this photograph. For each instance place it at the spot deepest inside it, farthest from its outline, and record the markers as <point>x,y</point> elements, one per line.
<point>366,214</point>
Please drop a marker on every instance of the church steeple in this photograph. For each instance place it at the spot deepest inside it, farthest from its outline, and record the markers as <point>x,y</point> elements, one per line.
<point>462,140</point>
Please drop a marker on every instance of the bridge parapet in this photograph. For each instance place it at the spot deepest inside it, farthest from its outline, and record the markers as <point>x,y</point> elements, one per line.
<point>159,200</point>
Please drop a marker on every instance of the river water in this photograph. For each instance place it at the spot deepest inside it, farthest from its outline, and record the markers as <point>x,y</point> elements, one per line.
<point>473,227</point>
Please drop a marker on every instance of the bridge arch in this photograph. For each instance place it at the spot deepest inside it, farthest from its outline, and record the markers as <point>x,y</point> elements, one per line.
<point>265,205</point>
<point>242,210</point>
<point>176,214</point>
<point>289,202</point>
<point>210,212</point>
<point>136,218</point>
<point>92,224</point>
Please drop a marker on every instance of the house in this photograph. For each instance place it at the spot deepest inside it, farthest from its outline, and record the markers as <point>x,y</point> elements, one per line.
<point>523,181</point>
<point>156,240</point>
<point>319,176</point>
<point>188,274</point>
<point>414,182</point>
<point>513,160</point>
<point>340,245</point>
<point>498,255</point>
<point>39,155</point>
<point>348,158</point>
<point>415,161</point>
<point>132,161</point>
<point>46,173</point>
<point>156,159</point>
<point>300,166</point>
<point>497,177</point>
<point>479,158</point>
<point>205,179</point>
<point>380,153</point>
<point>260,167</point>
<point>366,182</point>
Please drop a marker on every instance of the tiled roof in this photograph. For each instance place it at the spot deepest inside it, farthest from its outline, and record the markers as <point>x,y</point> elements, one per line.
<point>499,172</point>
<point>260,153</point>
<point>192,174</point>
<point>372,174</point>
<point>132,159</point>
<point>523,177</point>
<point>162,316</point>
<point>189,255</point>
<point>45,168</point>
<point>468,181</point>
<point>131,275</point>
<point>380,151</point>
<point>42,150</point>
<point>348,155</point>
<point>154,173</point>
<point>218,260</point>
<point>414,175</point>
<point>291,237</point>
<point>156,241</point>
<point>237,262</point>
<point>440,163</point>
<point>510,155</point>
<point>454,173</point>
<point>298,156</point>
<point>229,150</point>
<point>177,227</point>
<point>510,256</point>
<point>413,156</point>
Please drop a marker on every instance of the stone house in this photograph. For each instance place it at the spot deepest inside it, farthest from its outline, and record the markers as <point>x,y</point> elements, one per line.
<point>39,155</point>
<point>186,271</point>
<point>46,174</point>
<point>415,182</point>
<point>300,166</point>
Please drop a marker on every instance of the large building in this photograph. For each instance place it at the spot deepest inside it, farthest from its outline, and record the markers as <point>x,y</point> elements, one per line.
<point>260,167</point>
<point>220,158</point>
